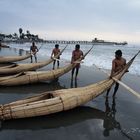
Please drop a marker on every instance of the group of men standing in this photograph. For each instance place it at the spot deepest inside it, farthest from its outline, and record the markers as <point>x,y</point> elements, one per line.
<point>76,54</point>
<point>118,62</point>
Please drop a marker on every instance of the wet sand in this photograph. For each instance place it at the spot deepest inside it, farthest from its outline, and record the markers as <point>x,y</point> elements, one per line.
<point>102,118</point>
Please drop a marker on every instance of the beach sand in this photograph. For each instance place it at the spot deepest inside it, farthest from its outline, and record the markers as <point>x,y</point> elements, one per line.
<point>98,119</point>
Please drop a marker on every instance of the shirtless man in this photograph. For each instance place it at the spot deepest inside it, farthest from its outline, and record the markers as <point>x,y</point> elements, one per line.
<point>117,64</point>
<point>76,54</point>
<point>55,51</point>
<point>33,50</point>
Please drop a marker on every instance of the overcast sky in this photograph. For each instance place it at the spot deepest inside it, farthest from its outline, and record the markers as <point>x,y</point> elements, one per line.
<point>112,20</point>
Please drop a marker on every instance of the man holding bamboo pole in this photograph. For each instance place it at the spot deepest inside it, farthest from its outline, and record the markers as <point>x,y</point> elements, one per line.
<point>55,52</point>
<point>33,51</point>
<point>76,54</point>
<point>117,64</point>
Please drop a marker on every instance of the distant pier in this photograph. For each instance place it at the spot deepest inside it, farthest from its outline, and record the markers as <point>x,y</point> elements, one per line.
<point>97,42</point>
<point>93,42</point>
<point>68,42</point>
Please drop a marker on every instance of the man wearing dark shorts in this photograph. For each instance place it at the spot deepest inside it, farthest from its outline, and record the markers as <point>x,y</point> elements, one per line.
<point>76,54</point>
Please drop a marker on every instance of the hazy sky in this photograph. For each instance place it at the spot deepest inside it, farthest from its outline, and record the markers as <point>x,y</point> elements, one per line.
<point>112,20</point>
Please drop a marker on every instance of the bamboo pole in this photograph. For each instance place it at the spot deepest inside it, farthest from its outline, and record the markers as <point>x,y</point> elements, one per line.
<point>127,87</point>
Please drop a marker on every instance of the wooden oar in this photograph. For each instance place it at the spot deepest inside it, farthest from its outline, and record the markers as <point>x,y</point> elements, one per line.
<point>121,83</point>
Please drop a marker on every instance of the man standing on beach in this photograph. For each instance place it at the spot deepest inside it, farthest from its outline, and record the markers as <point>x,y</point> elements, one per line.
<point>76,54</point>
<point>33,51</point>
<point>55,52</point>
<point>117,64</point>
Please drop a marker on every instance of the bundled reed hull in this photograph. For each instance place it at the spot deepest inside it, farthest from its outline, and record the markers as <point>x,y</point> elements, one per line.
<point>8,59</point>
<point>58,100</point>
<point>52,102</point>
<point>17,68</point>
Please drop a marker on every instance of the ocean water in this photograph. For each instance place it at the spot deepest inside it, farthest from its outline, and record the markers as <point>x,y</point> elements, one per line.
<point>100,55</point>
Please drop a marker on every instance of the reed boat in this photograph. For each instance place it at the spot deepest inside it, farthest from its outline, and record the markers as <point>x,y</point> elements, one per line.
<point>30,77</point>
<point>8,59</point>
<point>17,68</point>
<point>58,100</point>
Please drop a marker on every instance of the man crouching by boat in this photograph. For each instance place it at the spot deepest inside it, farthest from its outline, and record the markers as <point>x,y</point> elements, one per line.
<point>33,51</point>
<point>76,54</point>
<point>117,64</point>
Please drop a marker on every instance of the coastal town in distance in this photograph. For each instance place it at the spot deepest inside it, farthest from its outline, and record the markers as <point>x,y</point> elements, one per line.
<point>22,37</point>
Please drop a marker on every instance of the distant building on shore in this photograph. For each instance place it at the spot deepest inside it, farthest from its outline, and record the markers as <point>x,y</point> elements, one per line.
<point>108,42</point>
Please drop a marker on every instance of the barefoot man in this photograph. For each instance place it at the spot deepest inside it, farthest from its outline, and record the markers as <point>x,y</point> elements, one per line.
<point>55,51</point>
<point>117,64</point>
<point>33,50</point>
<point>76,54</point>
